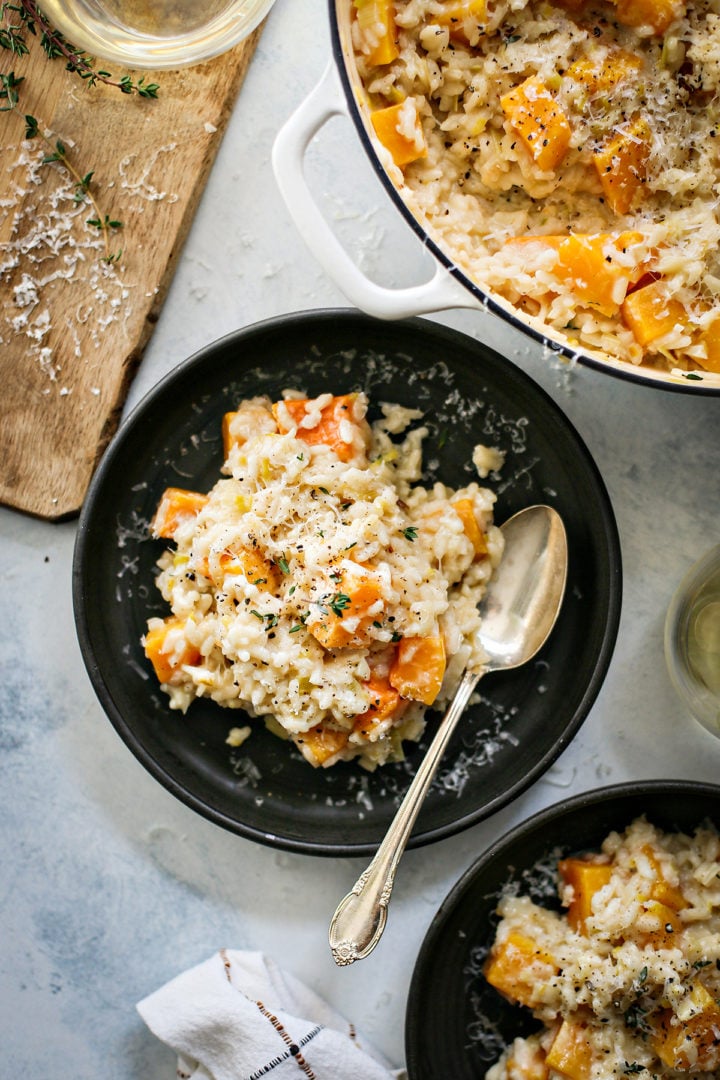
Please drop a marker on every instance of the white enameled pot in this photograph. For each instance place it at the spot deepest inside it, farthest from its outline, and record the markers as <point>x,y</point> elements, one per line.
<point>340,93</point>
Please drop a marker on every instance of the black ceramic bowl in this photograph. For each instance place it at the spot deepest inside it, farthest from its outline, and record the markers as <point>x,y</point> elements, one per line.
<point>456,1023</point>
<point>469,394</point>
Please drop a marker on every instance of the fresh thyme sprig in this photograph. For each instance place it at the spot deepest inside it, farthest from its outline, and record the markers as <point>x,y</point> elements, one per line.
<point>338,603</point>
<point>28,20</point>
<point>58,153</point>
<point>10,36</point>
<point>8,90</point>
<point>56,45</point>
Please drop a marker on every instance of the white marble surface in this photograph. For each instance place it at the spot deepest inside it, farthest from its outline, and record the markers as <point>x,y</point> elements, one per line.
<point>110,886</point>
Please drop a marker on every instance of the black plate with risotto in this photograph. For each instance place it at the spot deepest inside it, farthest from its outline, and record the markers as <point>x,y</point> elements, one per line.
<point>469,394</point>
<point>456,1024</point>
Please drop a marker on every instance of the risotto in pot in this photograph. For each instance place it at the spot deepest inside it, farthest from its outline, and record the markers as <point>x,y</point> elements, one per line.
<point>565,156</point>
<point>626,982</point>
<point>318,584</point>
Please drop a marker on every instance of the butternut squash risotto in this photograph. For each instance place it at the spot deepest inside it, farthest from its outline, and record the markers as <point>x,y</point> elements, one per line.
<point>627,980</point>
<point>566,156</point>
<point>318,584</point>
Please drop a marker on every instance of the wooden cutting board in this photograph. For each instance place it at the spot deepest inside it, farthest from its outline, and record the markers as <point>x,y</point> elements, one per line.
<point>72,326</point>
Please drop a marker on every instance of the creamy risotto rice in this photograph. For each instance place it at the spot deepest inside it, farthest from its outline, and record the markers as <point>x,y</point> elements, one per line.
<point>318,584</point>
<point>565,155</point>
<point>626,981</point>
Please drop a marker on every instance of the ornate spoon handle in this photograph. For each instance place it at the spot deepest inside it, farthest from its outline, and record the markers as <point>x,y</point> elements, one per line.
<point>360,917</point>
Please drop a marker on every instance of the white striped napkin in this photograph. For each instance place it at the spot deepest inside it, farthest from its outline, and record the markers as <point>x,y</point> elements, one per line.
<point>238,1016</point>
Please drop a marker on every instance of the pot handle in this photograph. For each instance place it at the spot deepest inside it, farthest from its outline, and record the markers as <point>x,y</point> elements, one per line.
<point>442,291</point>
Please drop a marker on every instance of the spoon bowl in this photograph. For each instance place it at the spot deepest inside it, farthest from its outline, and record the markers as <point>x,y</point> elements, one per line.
<point>523,598</point>
<point>519,610</point>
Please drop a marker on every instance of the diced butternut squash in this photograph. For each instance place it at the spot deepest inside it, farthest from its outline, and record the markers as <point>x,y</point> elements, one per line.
<point>518,966</point>
<point>376,18</point>
<point>252,418</point>
<point>167,649</point>
<point>347,616</point>
<point>253,565</point>
<point>228,436</point>
<point>385,702</point>
<point>418,668</point>
<point>621,164</point>
<point>457,13</point>
<point>655,15</point>
<point>236,560</point>
<point>231,436</point>
<point>710,338</point>
<point>399,129</point>
<point>586,878</point>
<point>692,1045</point>
<point>537,118</point>
<point>650,313</point>
<point>336,427</point>
<point>175,508</point>
<point>466,512</point>
<point>570,1054</point>
<point>321,743</point>
<point>661,890</point>
<point>669,895</point>
<point>595,267</point>
<point>665,925</point>
<point>599,76</point>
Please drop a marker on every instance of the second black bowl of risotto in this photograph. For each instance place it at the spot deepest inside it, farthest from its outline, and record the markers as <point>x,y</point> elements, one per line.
<point>583,943</point>
<point>278,565</point>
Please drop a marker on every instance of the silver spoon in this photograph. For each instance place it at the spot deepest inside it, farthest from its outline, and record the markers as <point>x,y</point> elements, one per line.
<point>518,610</point>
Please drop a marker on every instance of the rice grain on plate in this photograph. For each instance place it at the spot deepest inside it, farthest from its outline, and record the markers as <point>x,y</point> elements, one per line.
<point>626,981</point>
<point>319,584</point>
<point>566,156</point>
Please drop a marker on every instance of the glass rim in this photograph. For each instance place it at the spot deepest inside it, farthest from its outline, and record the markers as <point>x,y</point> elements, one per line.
<point>702,703</point>
<point>113,42</point>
